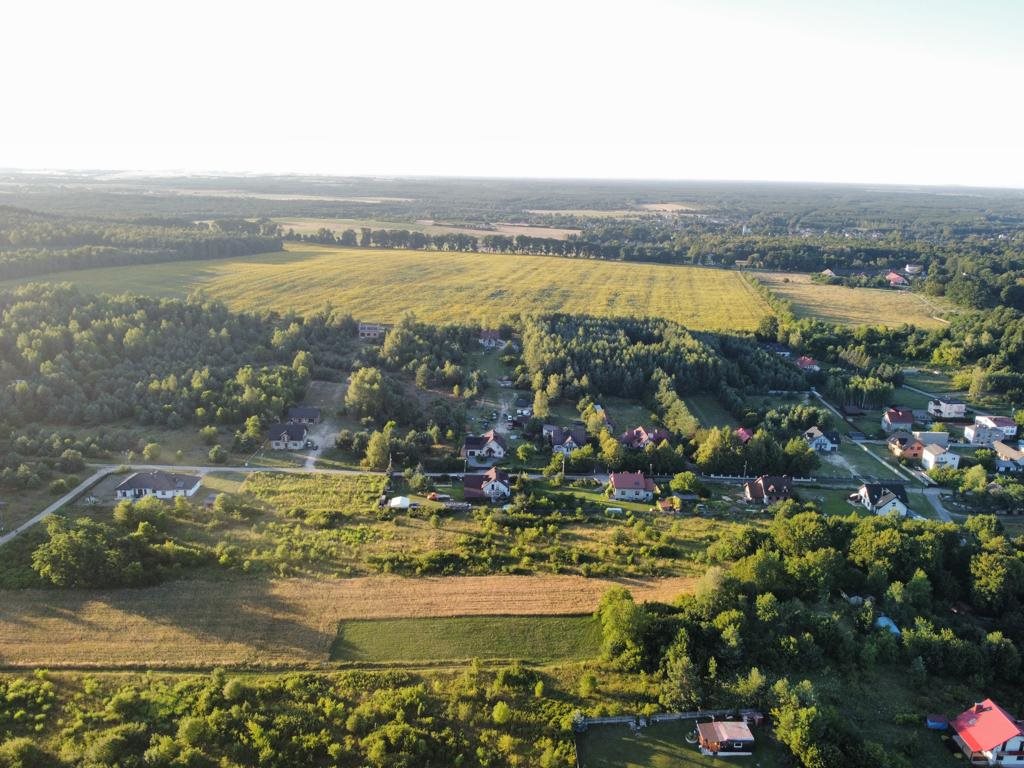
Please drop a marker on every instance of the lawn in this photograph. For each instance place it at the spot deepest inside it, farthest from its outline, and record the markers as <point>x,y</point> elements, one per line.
<point>854,306</point>
<point>709,411</point>
<point>663,745</point>
<point>529,638</point>
<point>382,284</point>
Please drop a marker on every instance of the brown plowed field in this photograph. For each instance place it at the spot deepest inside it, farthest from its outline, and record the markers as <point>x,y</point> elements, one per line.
<point>289,622</point>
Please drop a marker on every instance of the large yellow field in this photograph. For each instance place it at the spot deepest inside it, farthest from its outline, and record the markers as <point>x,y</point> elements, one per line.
<point>855,306</point>
<point>444,287</point>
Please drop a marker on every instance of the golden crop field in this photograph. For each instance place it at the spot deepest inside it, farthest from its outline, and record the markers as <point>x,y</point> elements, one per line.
<point>444,287</point>
<point>286,622</point>
<point>855,306</point>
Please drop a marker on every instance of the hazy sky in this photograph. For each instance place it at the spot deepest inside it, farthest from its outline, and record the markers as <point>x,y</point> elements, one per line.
<point>887,91</point>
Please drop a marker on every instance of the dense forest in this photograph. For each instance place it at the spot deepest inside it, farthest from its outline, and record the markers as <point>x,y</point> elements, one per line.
<point>34,244</point>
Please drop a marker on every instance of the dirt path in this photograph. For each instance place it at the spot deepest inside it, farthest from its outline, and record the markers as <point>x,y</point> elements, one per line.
<point>289,622</point>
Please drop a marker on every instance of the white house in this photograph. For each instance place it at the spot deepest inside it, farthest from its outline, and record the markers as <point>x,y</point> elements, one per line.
<point>938,456</point>
<point>288,437</point>
<point>884,499</point>
<point>368,331</point>
<point>988,735</point>
<point>489,445</point>
<point>822,442</point>
<point>492,484</point>
<point>1004,424</point>
<point>163,485</point>
<point>897,418</point>
<point>631,486</point>
<point>947,408</point>
<point>979,434</point>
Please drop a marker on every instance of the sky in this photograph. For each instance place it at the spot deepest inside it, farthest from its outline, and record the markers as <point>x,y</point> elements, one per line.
<point>896,91</point>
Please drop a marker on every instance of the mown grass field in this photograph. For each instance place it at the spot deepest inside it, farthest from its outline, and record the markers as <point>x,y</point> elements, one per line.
<point>854,306</point>
<point>664,746</point>
<point>528,638</point>
<point>709,411</point>
<point>443,287</point>
<point>275,622</point>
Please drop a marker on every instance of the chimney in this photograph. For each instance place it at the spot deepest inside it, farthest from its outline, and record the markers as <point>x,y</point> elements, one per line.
<point>979,708</point>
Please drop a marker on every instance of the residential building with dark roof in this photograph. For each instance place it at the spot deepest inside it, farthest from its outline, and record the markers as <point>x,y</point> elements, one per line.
<point>884,498</point>
<point>492,484</point>
<point>303,414</point>
<point>162,485</point>
<point>768,489</point>
<point>287,437</point>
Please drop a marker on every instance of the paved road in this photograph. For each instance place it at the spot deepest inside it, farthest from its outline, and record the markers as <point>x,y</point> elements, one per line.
<point>82,487</point>
<point>102,470</point>
<point>933,496</point>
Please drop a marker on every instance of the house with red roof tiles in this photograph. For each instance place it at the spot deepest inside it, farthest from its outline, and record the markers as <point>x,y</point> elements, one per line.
<point>809,364</point>
<point>989,735</point>
<point>631,486</point>
<point>897,418</point>
<point>896,280</point>
<point>743,435</point>
<point>641,437</point>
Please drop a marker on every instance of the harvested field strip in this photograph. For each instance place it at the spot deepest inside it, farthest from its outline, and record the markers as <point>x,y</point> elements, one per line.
<point>381,284</point>
<point>530,638</point>
<point>854,306</point>
<point>288,622</point>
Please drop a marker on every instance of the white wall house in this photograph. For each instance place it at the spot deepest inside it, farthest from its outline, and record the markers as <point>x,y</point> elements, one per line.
<point>162,485</point>
<point>1004,424</point>
<point>937,456</point>
<point>288,437</point>
<point>947,408</point>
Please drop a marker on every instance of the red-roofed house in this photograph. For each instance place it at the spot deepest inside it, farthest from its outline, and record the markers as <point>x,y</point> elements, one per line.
<point>492,484</point>
<point>744,435</point>
<point>641,437</point>
<point>631,486</point>
<point>896,280</point>
<point>897,418</point>
<point>988,735</point>
<point>809,364</point>
<point>725,737</point>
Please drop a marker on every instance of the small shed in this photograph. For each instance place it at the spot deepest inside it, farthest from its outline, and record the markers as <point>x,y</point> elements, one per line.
<point>936,722</point>
<point>399,502</point>
<point>725,737</point>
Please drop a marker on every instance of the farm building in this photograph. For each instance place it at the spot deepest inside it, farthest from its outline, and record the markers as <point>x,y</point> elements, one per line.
<point>162,485</point>
<point>947,408</point>
<point>897,418</point>
<point>808,364</point>
<point>288,437</point>
<point>631,486</point>
<point>641,437</point>
<point>489,445</point>
<point>988,735</point>
<point>303,414</point>
<point>884,498</point>
<point>767,489</point>
<point>725,737</point>
<point>373,331</point>
<point>1003,423</point>
<point>492,484</point>
<point>822,442</point>
<point>938,456</point>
